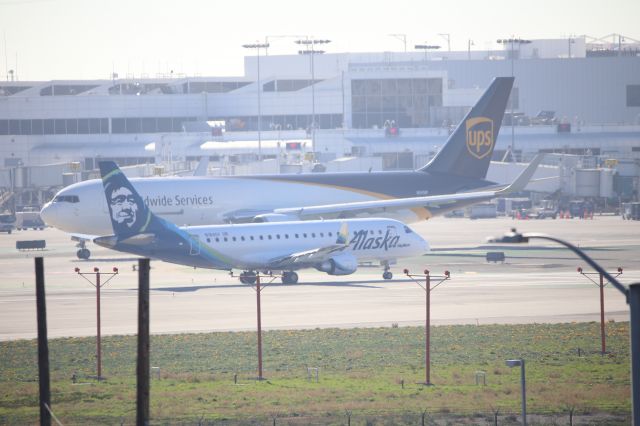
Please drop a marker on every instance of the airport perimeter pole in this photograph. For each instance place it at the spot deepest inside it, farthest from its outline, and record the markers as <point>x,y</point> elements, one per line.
<point>427,330</point>
<point>98,334</point>
<point>142,369</point>
<point>601,285</point>
<point>634,332</point>
<point>98,285</point>
<point>259,313</point>
<point>43,346</point>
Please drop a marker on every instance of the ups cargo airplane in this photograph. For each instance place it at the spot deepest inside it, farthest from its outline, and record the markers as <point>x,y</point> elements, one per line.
<point>331,246</point>
<point>454,178</point>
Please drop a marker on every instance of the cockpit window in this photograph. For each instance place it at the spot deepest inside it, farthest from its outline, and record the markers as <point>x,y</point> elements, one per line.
<point>407,230</point>
<point>66,199</point>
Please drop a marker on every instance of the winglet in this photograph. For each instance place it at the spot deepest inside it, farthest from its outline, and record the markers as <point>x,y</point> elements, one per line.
<point>523,179</point>
<point>343,235</point>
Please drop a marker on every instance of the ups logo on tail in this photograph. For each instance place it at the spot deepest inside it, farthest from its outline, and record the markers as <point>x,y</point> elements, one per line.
<point>479,136</point>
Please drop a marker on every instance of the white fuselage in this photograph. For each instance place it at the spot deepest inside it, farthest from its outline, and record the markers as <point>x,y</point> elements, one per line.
<point>254,246</point>
<point>81,208</point>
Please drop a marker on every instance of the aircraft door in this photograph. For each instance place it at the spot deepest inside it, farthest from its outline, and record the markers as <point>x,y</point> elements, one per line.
<point>194,250</point>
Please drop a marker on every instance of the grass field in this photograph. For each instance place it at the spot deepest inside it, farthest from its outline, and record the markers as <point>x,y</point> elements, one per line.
<point>372,373</point>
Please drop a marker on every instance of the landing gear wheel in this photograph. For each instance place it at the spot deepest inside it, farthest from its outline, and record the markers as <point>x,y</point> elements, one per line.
<point>387,275</point>
<point>289,277</point>
<point>248,277</point>
<point>83,253</point>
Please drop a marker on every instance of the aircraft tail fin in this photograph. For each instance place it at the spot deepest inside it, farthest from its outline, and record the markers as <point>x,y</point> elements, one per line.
<point>129,214</point>
<point>343,235</point>
<point>468,150</point>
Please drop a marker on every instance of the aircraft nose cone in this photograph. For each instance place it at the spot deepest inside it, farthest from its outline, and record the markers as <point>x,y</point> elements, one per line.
<point>49,214</point>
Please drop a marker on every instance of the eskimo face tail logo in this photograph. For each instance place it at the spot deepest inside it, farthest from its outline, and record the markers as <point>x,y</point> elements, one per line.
<point>128,213</point>
<point>479,136</point>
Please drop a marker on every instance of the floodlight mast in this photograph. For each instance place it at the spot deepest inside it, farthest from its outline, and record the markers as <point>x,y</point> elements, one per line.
<point>258,46</point>
<point>631,294</point>
<point>310,43</point>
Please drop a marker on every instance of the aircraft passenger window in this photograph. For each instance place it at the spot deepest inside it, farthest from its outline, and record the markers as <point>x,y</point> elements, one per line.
<point>371,232</point>
<point>379,232</point>
<point>261,237</point>
<point>297,236</point>
<point>269,236</point>
<point>208,240</point>
<point>234,238</point>
<point>251,237</point>
<point>286,236</point>
<point>66,199</point>
<point>313,235</point>
<point>217,240</point>
<point>322,234</point>
<point>225,239</point>
<point>242,238</point>
<point>304,235</point>
<point>330,234</point>
<point>278,236</point>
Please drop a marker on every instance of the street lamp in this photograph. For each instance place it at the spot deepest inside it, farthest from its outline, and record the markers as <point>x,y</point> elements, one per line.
<point>258,46</point>
<point>426,47</point>
<point>512,42</point>
<point>402,38</point>
<point>631,294</point>
<point>310,50</point>
<point>520,363</point>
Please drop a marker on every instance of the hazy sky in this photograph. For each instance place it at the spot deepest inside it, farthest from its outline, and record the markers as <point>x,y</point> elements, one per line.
<point>73,39</point>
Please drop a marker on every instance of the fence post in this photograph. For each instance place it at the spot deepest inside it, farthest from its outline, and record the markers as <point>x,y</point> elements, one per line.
<point>43,345</point>
<point>142,400</point>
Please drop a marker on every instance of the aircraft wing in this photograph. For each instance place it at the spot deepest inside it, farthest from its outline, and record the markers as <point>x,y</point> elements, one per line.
<point>316,255</point>
<point>308,256</point>
<point>426,201</point>
<point>83,237</point>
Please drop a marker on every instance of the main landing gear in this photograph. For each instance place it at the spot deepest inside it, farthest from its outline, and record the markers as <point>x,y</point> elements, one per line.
<point>83,252</point>
<point>248,277</point>
<point>387,275</point>
<point>289,277</point>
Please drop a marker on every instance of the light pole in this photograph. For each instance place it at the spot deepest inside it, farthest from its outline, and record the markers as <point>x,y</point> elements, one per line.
<point>98,285</point>
<point>631,294</point>
<point>310,50</point>
<point>258,46</point>
<point>402,38</point>
<point>426,47</point>
<point>570,41</point>
<point>523,384</point>
<point>427,329</point>
<point>512,42</point>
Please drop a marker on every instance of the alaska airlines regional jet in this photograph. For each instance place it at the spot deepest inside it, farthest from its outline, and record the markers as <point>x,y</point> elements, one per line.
<point>455,178</point>
<point>331,246</point>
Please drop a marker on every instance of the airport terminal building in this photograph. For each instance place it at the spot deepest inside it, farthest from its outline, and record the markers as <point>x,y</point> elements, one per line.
<point>394,108</point>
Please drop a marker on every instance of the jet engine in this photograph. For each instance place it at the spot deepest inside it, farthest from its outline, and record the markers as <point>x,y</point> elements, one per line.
<point>274,217</point>
<point>342,264</point>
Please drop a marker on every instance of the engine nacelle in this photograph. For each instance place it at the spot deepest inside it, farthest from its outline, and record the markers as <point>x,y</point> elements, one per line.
<point>274,217</point>
<point>342,264</point>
